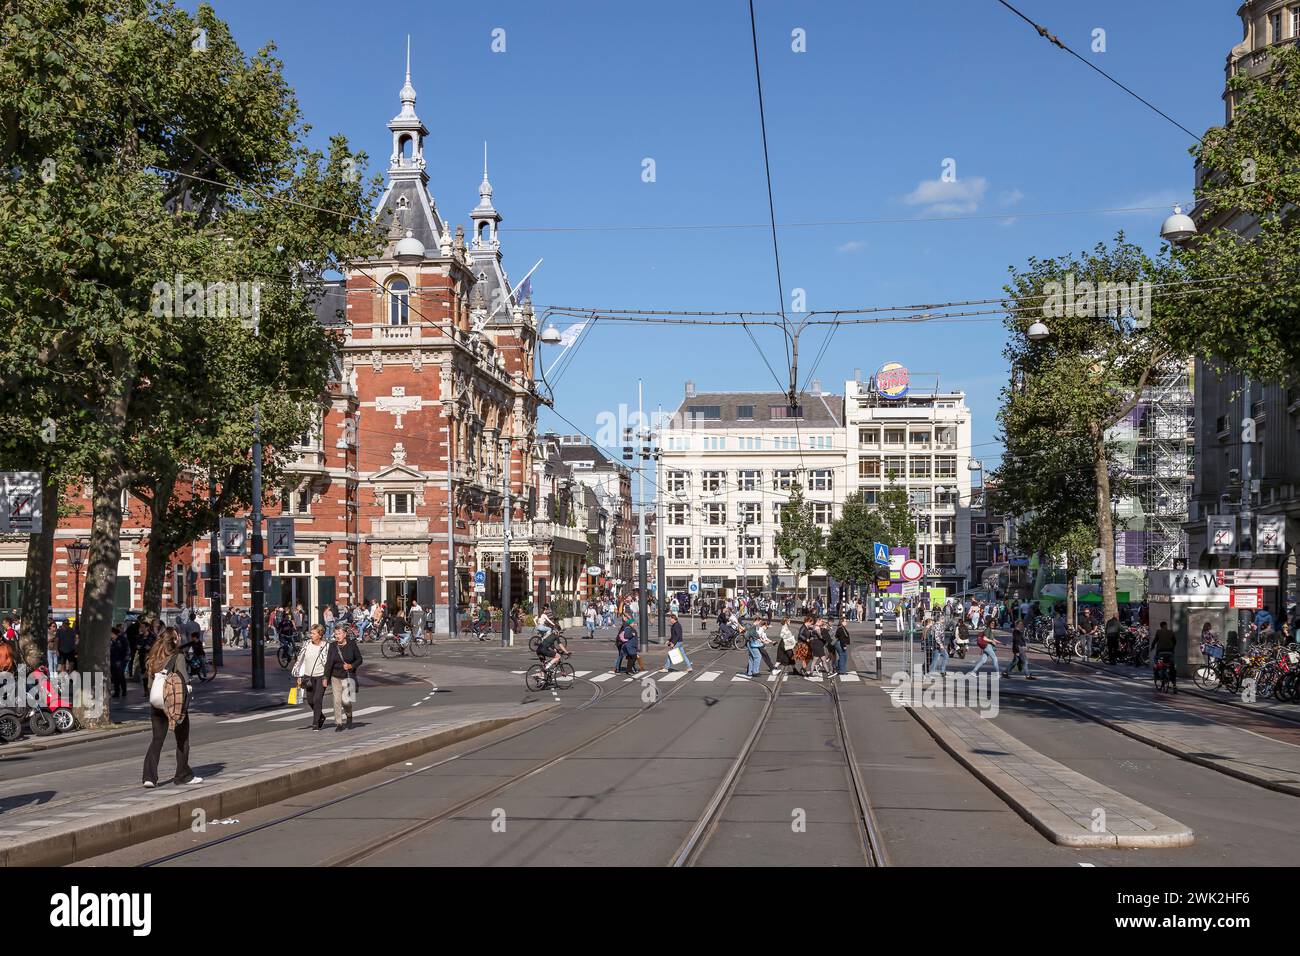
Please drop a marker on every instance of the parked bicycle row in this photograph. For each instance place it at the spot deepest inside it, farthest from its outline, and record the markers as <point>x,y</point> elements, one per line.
<point>1258,672</point>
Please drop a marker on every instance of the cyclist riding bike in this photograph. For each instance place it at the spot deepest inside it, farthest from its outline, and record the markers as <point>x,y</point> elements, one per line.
<point>551,650</point>
<point>1163,647</point>
<point>546,622</point>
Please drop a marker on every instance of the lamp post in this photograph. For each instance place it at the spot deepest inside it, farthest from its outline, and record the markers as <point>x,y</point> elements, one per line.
<point>76,558</point>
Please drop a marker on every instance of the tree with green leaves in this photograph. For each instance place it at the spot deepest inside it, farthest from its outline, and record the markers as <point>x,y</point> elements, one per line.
<point>800,540</point>
<point>897,516</point>
<point>1107,339</point>
<point>148,153</point>
<point>849,553</point>
<point>1245,306</point>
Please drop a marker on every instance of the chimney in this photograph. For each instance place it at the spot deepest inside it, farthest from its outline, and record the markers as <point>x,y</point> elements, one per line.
<point>857,375</point>
<point>816,388</point>
<point>690,389</point>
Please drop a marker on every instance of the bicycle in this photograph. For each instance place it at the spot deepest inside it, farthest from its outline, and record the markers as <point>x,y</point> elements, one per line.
<point>560,676</point>
<point>1062,649</point>
<point>199,666</point>
<point>288,652</point>
<point>413,644</point>
<point>1160,674</point>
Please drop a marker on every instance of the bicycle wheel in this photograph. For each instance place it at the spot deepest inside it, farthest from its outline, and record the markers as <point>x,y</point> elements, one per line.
<point>1206,677</point>
<point>534,643</point>
<point>282,655</point>
<point>418,647</point>
<point>715,642</point>
<point>563,675</point>
<point>391,647</point>
<point>535,679</point>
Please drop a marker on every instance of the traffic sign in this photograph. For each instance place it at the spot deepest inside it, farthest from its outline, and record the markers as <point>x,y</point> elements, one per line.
<point>912,570</point>
<point>1248,599</point>
<point>280,533</point>
<point>882,553</point>
<point>234,534</point>
<point>480,577</point>
<point>911,588</point>
<point>20,502</point>
<point>693,587</point>
<point>1247,577</point>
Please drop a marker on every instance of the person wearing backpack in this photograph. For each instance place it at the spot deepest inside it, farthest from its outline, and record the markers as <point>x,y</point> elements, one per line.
<point>631,647</point>
<point>169,705</point>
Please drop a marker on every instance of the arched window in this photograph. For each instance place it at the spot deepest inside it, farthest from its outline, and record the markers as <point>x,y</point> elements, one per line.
<point>399,302</point>
<point>482,232</point>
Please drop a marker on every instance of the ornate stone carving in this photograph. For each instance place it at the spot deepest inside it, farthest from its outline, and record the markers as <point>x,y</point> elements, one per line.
<point>377,360</point>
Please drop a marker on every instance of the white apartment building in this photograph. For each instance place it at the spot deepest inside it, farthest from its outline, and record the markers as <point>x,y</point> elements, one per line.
<point>726,464</point>
<point>921,440</point>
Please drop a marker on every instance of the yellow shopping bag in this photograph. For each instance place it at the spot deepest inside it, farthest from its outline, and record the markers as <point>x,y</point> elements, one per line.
<point>295,695</point>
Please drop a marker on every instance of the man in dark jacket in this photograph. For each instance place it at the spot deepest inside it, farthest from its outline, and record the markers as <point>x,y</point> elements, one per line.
<point>842,638</point>
<point>1164,646</point>
<point>118,650</point>
<point>1112,640</point>
<point>675,643</point>
<point>341,666</point>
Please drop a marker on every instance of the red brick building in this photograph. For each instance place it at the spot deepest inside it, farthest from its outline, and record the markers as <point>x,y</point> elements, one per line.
<point>431,423</point>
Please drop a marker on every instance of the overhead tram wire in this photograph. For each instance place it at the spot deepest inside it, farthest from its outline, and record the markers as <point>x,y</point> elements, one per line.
<point>1056,41</point>
<point>771,206</point>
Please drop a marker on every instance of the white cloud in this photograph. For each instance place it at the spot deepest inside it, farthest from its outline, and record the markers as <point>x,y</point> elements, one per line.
<point>944,198</point>
<point>1010,197</point>
<point>853,245</point>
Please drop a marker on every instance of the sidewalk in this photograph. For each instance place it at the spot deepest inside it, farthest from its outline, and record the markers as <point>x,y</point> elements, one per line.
<point>59,817</point>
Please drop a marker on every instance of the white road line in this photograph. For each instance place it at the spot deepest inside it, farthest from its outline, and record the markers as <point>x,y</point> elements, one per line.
<point>581,673</point>
<point>709,675</point>
<point>600,677</point>
<point>740,677</point>
<point>674,676</point>
<point>850,678</point>
<point>306,714</point>
<point>519,672</point>
<point>371,710</point>
<point>244,720</point>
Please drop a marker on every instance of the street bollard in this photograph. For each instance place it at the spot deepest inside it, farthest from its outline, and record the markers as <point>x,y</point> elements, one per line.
<point>880,613</point>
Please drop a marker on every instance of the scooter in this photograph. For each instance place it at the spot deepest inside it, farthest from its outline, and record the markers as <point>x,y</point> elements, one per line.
<point>53,713</point>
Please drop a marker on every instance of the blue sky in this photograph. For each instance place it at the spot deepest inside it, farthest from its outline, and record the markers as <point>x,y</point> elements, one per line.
<point>858,127</point>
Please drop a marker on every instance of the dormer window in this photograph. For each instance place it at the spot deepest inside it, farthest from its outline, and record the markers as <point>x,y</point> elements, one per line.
<point>399,302</point>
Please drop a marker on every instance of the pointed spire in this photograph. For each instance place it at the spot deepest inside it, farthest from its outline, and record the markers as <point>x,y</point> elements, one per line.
<point>407,93</point>
<point>485,187</point>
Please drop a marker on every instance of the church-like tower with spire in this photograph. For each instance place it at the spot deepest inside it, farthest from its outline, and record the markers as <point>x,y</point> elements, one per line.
<point>437,359</point>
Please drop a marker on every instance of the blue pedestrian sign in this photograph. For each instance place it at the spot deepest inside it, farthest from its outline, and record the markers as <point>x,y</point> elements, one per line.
<point>480,577</point>
<point>882,553</point>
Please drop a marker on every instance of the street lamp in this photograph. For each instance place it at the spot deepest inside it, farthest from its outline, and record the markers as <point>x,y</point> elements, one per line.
<point>551,335</point>
<point>505,539</point>
<point>1178,228</point>
<point>76,558</point>
<point>1038,331</point>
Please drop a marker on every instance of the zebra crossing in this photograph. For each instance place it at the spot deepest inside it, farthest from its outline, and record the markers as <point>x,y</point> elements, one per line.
<point>708,676</point>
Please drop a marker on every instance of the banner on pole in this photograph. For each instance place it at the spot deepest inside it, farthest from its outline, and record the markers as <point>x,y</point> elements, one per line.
<point>234,534</point>
<point>1270,534</point>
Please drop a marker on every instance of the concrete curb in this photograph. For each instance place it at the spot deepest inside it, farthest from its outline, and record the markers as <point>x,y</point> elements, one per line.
<point>80,840</point>
<point>38,744</point>
<point>1274,785</point>
<point>1042,815</point>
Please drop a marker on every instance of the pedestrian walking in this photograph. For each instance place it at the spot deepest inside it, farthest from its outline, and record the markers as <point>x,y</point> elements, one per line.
<point>589,616</point>
<point>937,634</point>
<point>119,650</point>
<point>52,647</point>
<point>169,708</point>
<point>676,643</point>
<point>342,662</point>
<point>65,641</point>
<point>753,644</point>
<point>988,653</point>
<point>1112,640</point>
<point>842,639</point>
<point>1019,651</point>
<point>309,669</point>
<point>631,648</point>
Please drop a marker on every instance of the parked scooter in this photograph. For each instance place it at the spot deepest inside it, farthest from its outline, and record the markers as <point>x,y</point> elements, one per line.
<point>53,711</point>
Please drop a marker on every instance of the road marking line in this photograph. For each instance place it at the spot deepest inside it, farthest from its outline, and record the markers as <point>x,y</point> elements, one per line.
<point>244,720</point>
<point>580,673</point>
<point>850,678</point>
<point>740,677</point>
<point>709,675</point>
<point>606,676</point>
<point>674,676</point>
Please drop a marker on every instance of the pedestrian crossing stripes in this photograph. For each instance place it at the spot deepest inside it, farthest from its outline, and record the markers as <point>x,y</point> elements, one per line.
<point>355,713</point>
<point>709,676</point>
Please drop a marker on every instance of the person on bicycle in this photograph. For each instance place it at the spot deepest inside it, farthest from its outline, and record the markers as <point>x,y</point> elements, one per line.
<point>1166,642</point>
<point>550,651</point>
<point>546,622</point>
<point>1060,630</point>
<point>484,622</point>
<point>287,631</point>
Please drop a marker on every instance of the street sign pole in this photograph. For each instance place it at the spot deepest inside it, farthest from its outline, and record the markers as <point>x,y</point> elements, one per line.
<point>214,570</point>
<point>879,613</point>
<point>256,584</point>
<point>505,556</point>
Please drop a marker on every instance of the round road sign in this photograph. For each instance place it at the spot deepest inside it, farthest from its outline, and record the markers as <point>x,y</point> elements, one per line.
<point>912,570</point>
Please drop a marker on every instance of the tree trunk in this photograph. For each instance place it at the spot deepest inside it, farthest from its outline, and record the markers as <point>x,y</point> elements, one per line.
<point>160,549</point>
<point>36,583</point>
<point>101,590</point>
<point>1071,581</point>
<point>1105,526</point>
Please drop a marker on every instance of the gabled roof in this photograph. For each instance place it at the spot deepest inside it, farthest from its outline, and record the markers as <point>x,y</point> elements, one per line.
<point>819,411</point>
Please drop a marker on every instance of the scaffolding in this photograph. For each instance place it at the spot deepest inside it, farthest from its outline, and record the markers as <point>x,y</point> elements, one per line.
<point>1163,462</point>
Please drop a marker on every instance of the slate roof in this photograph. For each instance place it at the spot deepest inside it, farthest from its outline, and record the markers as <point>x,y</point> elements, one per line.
<point>819,411</point>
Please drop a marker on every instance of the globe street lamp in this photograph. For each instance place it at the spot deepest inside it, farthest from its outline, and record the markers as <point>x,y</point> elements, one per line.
<point>1178,228</point>
<point>1038,331</point>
